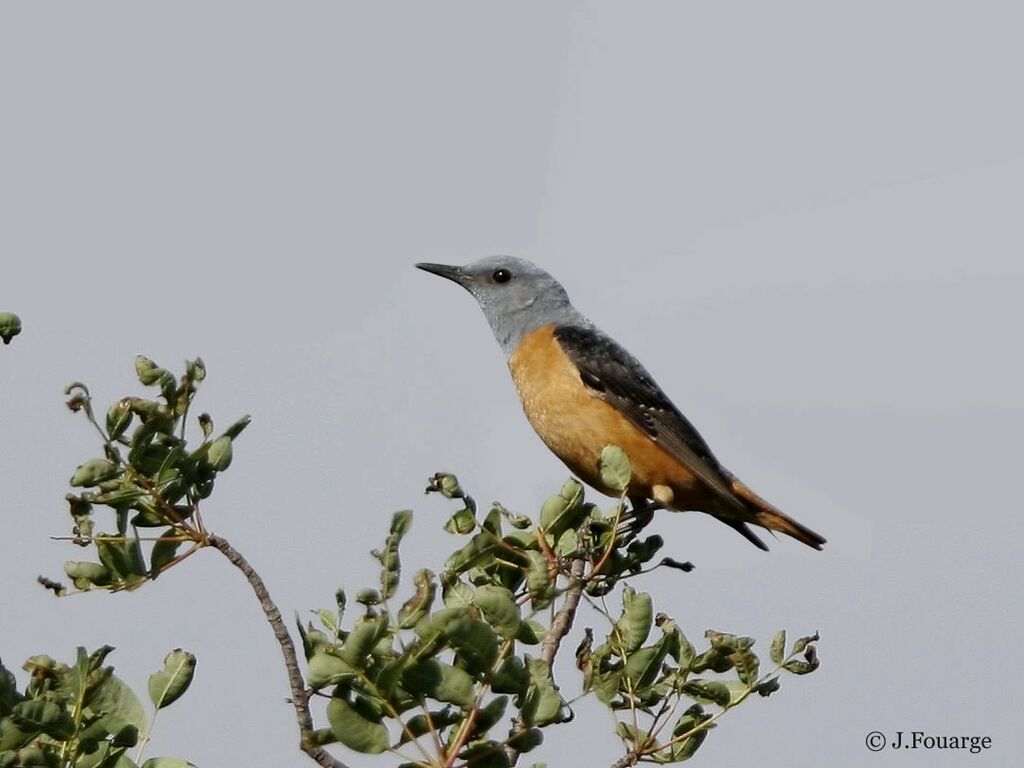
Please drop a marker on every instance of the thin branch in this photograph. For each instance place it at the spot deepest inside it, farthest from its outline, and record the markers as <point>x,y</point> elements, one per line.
<point>300,696</point>
<point>560,627</point>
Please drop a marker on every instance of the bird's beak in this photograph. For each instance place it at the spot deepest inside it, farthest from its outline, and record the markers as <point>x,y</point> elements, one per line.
<point>455,274</point>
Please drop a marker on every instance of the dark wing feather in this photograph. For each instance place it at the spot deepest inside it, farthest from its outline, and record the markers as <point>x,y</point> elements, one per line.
<point>618,378</point>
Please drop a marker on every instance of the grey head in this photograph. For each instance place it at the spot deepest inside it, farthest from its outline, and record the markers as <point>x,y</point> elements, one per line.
<point>516,296</point>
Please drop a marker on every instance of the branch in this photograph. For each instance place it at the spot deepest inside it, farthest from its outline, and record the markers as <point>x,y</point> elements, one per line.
<point>563,620</point>
<point>300,697</point>
<point>560,627</point>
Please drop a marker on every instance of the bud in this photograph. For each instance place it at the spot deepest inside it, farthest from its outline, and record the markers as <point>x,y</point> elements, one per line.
<point>10,326</point>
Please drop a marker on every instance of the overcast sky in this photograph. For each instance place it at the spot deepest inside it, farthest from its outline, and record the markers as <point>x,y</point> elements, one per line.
<point>803,217</point>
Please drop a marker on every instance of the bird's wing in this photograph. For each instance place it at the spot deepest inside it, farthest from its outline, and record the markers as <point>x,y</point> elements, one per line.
<point>619,379</point>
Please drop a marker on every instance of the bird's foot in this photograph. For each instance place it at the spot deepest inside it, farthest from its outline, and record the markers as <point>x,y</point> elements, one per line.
<point>634,520</point>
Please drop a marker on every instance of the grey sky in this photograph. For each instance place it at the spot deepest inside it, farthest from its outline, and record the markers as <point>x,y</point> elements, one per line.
<point>804,218</point>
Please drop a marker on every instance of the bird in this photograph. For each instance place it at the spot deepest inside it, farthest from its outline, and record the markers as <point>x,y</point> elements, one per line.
<point>582,391</point>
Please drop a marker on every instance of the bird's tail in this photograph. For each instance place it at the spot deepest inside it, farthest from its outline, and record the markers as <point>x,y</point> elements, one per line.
<point>773,519</point>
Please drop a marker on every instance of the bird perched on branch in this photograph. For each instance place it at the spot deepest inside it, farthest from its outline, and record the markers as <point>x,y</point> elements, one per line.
<point>582,392</point>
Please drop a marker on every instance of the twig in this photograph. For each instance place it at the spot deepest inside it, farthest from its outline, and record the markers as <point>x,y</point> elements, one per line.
<point>300,697</point>
<point>560,627</point>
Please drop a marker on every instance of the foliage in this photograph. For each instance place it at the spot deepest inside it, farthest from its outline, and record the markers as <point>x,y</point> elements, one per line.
<point>463,657</point>
<point>458,670</point>
<point>148,477</point>
<point>83,715</point>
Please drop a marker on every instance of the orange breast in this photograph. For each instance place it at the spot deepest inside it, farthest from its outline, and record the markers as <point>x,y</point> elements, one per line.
<point>576,424</point>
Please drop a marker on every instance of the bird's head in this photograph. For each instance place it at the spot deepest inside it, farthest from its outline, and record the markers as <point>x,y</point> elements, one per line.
<point>516,296</point>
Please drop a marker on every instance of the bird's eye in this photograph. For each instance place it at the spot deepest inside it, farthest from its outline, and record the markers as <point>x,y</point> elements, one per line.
<point>501,276</point>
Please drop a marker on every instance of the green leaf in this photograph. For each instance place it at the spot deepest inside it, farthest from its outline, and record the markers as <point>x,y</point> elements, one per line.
<point>462,522</point>
<point>712,691</point>
<point>327,669</point>
<point>361,640</point>
<point>447,485</point>
<point>616,471</point>
<point>746,665</point>
<point>354,730</point>
<point>148,371</point>
<point>457,594</point>
<point>479,549</point>
<point>440,681</point>
<point>484,754</point>
<point>562,511</point>
<point>390,562</point>
<point>389,558</point>
<point>126,737</point>
<point>93,472</point>
<point>633,627</point>
<point>488,716</point>
<point>768,687</point>
<point>418,606</point>
<point>568,544</point>
<point>687,722</point>
<point>167,685</point>
<point>86,575</point>
<point>9,695</point>
<point>166,762</point>
<point>119,417</point>
<point>511,677</point>
<point>499,609</point>
<point>117,705</point>
<point>643,665</point>
<point>728,642</point>
<point>432,629</point>
<point>542,704</point>
<point>236,429</point>
<point>601,677</point>
<point>538,579</point>
<point>531,632</point>
<point>219,454</point>
<point>715,659</point>
<point>163,552</point>
<point>627,732</point>
<point>475,643</point>
<point>800,667</point>
<point>492,523</point>
<point>677,644</point>
<point>801,644</point>
<point>524,741</point>
<point>37,716</point>
<point>122,556</point>
<point>520,522</point>
<point>778,649</point>
<point>438,719</point>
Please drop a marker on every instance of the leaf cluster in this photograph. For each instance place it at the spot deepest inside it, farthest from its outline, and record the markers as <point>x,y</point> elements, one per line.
<point>149,476</point>
<point>666,686</point>
<point>81,714</point>
<point>442,668</point>
<point>460,654</point>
